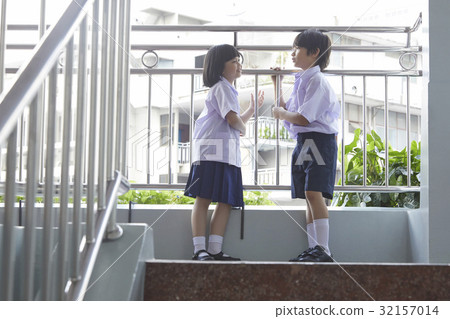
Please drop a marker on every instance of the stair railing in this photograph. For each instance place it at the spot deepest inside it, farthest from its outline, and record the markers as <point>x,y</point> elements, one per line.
<point>90,149</point>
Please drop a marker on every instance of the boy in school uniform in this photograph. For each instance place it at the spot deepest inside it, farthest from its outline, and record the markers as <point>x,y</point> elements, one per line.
<point>311,116</point>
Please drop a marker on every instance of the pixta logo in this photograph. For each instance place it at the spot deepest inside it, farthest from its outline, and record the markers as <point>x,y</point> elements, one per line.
<point>304,155</point>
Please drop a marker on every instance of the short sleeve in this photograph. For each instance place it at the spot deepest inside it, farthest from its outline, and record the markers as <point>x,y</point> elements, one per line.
<point>316,100</point>
<point>226,101</point>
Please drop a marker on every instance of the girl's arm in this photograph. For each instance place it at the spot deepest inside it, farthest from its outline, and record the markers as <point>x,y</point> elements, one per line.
<point>291,117</point>
<point>248,113</point>
<point>235,122</point>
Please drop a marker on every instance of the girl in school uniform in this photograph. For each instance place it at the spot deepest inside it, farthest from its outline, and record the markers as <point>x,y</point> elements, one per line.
<point>215,174</point>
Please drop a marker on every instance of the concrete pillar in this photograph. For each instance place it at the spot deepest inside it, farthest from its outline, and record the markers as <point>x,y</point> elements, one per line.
<point>436,129</point>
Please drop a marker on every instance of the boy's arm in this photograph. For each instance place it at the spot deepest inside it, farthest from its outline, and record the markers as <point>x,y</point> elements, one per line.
<point>235,122</point>
<point>291,117</point>
<point>274,77</point>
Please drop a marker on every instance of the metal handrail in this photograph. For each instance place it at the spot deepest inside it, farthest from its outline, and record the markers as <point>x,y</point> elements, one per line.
<point>205,47</point>
<point>256,28</point>
<point>407,49</point>
<point>180,71</point>
<point>224,28</point>
<point>77,288</point>
<point>28,83</point>
<point>33,73</point>
<point>337,188</point>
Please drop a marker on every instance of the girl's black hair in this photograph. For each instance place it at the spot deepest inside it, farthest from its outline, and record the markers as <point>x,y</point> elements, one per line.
<point>313,39</point>
<point>215,61</point>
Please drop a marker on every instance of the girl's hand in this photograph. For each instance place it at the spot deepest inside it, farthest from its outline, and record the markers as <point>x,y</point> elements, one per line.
<point>278,111</point>
<point>274,77</point>
<point>260,100</point>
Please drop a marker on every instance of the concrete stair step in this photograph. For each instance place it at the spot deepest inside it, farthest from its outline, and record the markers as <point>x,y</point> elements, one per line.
<point>260,281</point>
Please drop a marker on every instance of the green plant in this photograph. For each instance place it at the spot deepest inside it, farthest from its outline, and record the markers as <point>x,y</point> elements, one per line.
<point>177,197</point>
<point>257,198</point>
<point>375,159</point>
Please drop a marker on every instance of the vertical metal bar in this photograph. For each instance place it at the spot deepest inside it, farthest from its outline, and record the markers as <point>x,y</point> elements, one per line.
<point>2,44</point>
<point>191,118</point>
<point>364,133</point>
<point>126,84</point>
<point>149,128</point>
<point>112,89</point>
<point>408,127</point>
<point>120,86</point>
<point>386,131</point>
<point>112,228</point>
<point>255,160</point>
<point>30,215</point>
<point>277,124</point>
<point>170,130</point>
<point>8,248</point>
<point>21,141</point>
<point>79,148</point>
<point>61,277</point>
<point>90,214</point>
<point>41,96</point>
<point>103,108</point>
<point>343,130</point>
<point>48,200</point>
<point>2,60</point>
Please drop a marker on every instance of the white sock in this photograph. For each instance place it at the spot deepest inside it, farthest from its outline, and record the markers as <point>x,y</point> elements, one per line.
<point>311,231</point>
<point>215,244</point>
<point>199,243</point>
<point>322,227</point>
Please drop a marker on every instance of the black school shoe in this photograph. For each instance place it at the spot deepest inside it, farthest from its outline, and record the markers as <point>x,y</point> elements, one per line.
<point>221,256</point>
<point>317,254</point>
<point>302,255</point>
<point>202,258</point>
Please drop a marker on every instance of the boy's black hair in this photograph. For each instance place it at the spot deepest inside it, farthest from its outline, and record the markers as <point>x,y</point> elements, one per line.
<point>215,61</point>
<point>313,39</point>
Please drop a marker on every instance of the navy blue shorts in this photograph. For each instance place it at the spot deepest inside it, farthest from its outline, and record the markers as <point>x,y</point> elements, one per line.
<point>313,164</point>
<point>220,182</point>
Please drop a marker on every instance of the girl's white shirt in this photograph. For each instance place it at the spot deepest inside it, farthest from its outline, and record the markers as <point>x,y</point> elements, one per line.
<point>214,139</point>
<point>314,98</point>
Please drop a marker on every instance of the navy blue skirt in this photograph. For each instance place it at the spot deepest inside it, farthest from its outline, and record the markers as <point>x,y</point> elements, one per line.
<point>219,182</point>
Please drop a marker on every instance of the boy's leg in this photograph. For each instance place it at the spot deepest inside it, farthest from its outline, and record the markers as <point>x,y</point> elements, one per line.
<point>320,217</point>
<point>310,229</point>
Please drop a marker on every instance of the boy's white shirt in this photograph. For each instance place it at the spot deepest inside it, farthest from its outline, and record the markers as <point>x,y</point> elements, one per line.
<point>313,98</point>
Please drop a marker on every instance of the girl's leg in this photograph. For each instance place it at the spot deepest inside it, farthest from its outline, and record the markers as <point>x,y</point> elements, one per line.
<point>219,221</point>
<point>319,212</point>
<point>199,216</point>
<point>198,223</point>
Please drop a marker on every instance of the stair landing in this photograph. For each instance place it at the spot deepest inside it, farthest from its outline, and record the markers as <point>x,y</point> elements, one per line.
<point>261,281</point>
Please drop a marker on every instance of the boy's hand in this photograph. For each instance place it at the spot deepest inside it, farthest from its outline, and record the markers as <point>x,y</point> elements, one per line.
<point>274,77</point>
<point>260,100</point>
<point>277,112</point>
